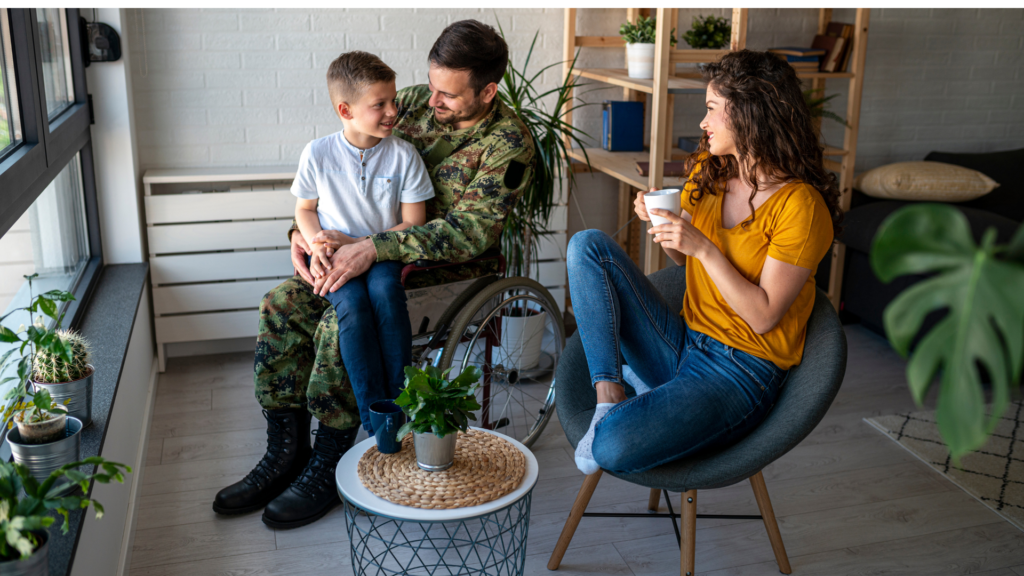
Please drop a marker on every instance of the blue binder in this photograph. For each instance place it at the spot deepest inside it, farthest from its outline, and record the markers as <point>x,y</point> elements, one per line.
<point>623,126</point>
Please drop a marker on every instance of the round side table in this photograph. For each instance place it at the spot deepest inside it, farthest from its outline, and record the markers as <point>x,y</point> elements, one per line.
<point>484,540</point>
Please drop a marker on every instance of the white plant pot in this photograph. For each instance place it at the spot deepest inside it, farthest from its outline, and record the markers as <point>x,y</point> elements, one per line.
<point>521,338</point>
<point>640,60</point>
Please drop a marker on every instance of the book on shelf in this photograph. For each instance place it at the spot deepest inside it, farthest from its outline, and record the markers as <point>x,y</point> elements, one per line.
<point>797,51</point>
<point>673,169</point>
<point>689,143</point>
<point>844,31</point>
<point>792,59</point>
<point>834,47</point>
<point>622,126</point>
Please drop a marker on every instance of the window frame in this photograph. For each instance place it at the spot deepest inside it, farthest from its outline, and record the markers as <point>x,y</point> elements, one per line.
<point>47,147</point>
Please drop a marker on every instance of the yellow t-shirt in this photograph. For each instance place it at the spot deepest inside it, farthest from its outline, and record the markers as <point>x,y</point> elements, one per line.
<point>794,225</point>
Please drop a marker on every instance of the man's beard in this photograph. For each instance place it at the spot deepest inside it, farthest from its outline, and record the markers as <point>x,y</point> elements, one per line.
<point>473,111</point>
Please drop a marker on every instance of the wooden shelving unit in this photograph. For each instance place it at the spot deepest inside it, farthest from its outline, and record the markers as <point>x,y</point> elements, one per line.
<point>663,87</point>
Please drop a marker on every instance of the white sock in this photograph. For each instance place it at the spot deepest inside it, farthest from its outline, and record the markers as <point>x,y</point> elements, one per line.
<point>585,449</point>
<point>633,380</point>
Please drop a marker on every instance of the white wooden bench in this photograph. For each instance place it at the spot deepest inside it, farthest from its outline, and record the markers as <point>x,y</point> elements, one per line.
<point>218,242</point>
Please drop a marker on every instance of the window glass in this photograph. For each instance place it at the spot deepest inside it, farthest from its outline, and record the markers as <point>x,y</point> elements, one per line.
<point>56,56</point>
<point>50,239</point>
<point>10,118</point>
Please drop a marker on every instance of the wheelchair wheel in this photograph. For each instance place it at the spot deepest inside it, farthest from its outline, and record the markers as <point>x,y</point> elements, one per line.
<point>421,354</point>
<point>513,331</point>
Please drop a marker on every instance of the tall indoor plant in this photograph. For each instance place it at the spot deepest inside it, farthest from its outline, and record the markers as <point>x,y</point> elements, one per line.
<point>981,288</point>
<point>550,163</point>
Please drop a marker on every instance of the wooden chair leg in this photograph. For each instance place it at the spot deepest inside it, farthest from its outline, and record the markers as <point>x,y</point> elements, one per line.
<point>578,508</point>
<point>688,534</point>
<point>654,500</point>
<point>765,505</point>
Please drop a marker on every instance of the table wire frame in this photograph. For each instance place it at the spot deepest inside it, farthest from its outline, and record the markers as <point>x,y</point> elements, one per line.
<point>493,544</point>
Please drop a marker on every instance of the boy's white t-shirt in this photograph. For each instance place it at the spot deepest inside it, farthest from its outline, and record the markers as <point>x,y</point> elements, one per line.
<point>361,197</point>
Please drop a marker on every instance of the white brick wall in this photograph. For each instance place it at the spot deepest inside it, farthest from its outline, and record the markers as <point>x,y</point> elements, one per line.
<point>229,87</point>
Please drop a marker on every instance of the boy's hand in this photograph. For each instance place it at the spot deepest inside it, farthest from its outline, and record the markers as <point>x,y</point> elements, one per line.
<point>332,240</point>
<point>319,262</point>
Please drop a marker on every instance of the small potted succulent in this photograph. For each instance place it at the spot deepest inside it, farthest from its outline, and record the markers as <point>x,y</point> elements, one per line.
<point>69,382</point>
<point>709,32</point>
<point>639,39</point>
<point>438,409</point>
<point>25,503</point>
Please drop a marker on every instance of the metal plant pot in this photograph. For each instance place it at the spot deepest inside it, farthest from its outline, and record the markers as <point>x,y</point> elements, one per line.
<point>42,459</point>
<point>78,393</point>
<point>38,564</point>
<point>435,454</point>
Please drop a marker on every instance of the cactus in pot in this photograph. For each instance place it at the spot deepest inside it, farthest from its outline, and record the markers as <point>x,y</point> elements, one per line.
<point>66,374</point>
<point>50,368</point>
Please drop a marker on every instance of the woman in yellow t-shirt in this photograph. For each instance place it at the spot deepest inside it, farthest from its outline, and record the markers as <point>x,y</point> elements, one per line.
<point>760,212</point>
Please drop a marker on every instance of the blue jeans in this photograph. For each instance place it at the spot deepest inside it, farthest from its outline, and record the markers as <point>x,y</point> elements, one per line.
<point>374,334</point>
<point>704,394</point>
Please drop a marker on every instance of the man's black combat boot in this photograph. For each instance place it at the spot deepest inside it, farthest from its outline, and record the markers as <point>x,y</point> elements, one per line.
<point>288,452</point>
<point>314,493</point>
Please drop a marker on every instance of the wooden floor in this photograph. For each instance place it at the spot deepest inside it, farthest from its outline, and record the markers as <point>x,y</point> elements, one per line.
<point>849,500</point>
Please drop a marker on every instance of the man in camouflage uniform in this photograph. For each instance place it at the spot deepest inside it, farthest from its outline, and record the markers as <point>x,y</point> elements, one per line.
<point>478,155</point>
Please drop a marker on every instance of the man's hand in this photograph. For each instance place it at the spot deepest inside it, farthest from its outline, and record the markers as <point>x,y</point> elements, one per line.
<point>348,262</point>
<point>679,235</point>
<point>299,252</point>
<point>332,240</point>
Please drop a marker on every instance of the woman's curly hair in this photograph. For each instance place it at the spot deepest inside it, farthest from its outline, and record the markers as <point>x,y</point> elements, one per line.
<point>772,126</point>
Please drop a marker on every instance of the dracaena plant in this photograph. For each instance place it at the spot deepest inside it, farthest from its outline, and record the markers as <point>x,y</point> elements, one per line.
<point>25,502</point>
<point>981,289</point>
<point>435,404</point>
<point>543,111</point>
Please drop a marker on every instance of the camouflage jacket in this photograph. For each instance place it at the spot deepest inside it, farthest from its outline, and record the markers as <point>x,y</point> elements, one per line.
<point>478,174</point>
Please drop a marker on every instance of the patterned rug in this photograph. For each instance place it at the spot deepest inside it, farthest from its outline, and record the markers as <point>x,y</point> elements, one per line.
<point>994,474</point>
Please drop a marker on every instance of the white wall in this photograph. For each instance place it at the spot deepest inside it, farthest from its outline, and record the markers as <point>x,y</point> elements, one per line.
<point>105,545</point>
<point>246,87</point>
<point>113,144</point>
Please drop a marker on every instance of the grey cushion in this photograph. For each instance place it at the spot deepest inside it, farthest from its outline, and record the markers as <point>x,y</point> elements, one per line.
<point>806,395</point>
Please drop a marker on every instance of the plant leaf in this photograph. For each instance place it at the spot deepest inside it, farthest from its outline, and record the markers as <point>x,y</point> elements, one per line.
<point>984,325</point>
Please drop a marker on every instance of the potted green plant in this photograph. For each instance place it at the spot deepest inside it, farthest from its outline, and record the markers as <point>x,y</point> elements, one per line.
<point>980,286</point>
<point>708,32</point>
<point>25,504</point>
<point>437,409</point>
<point>543,112</point>
<point>69,382</point>
<point>817,103</point>
<point>639,39</point>
<point>40,419</point>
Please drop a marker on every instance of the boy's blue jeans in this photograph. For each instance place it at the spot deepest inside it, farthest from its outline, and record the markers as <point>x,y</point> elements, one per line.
<point>374,334</point>
<point>704,394</point>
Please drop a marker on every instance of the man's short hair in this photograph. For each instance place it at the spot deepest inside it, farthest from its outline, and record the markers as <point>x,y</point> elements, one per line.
<point>472,46</point>
<point>349,74</point>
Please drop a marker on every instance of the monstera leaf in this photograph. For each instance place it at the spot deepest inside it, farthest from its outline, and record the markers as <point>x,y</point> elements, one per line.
<point>982,287</point>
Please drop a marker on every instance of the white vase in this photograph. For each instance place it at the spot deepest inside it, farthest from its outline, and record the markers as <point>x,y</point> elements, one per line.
<point>521,338</point>
<point>640,59</point>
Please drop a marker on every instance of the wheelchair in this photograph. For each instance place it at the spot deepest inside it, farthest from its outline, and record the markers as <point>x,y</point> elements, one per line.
<point>510,328</point>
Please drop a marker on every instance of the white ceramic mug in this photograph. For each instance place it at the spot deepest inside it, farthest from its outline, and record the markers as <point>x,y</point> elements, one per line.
<point>667,199</point>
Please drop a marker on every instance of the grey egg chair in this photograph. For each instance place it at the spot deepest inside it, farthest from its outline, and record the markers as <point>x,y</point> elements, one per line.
<point>806,395</point>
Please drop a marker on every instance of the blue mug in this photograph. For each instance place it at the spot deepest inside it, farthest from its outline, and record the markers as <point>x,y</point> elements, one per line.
<point>386,418</point>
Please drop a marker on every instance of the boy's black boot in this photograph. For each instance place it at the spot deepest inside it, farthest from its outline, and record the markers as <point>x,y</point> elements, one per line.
<point>314,493</point>
<point>288,451</point>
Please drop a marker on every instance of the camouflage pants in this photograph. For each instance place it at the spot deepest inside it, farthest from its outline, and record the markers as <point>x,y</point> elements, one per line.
<point>298,362</point>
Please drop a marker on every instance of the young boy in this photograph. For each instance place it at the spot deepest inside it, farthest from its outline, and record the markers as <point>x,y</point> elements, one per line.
<point>349,185</point>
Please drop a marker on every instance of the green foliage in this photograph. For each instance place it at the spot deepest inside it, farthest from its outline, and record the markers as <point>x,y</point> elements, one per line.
<point>819,105</point>
<point>643,32</point>
<point>980,286</point>
<point>711,32</point>
<point>53,369</point>
<point>39,407</point>
<point>30,341</point>
<point>549,130</point>
<point>435,404</point>
<point>25,502</point>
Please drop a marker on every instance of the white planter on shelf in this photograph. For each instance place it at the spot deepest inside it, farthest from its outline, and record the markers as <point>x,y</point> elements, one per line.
<point>640,59</point>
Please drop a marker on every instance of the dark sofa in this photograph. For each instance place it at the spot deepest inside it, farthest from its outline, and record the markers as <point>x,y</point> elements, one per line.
<point>864,296</point>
